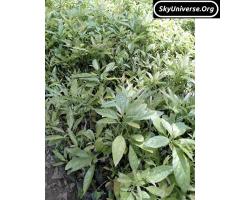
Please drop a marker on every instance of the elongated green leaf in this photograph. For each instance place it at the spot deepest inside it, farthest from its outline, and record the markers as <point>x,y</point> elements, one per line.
<point>139,193</point>
<point>77,152</point>
<point>118,148</point>
<point>133,159</point>
<point>155,190</point>
<point>178,129</point>
<point>157,123</point>
<point>78,163</point>
<point>70,118</point>
<point>130,197</point>
<point>59,155</point>
<point>158,174</point>
<point>111,66</point>
<point>109,113</point>
<point>166,125</point>
<point>121,103</point>
<point>99,145</point>
<point>157,142</point>
<point>106,121</point>
<point>116,188</point>
<point>73,138</point>
<point>54,137</point>
<point>145,195</point>
<point>138,138</point>
<point>124,179</point>
<point>95,64</point>
<point>133,124</point>
<point>87,77</point>
<point>87,133</point>
<point>88,178</point>
<point>74,88</point>
<point>181,169</point>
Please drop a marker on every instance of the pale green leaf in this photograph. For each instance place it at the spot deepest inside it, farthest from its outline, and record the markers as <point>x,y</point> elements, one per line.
<point>133,124</point>
<point>156,142</point>
<point>155,190</point>
<point>106,121</point>
<point>110,67</point>
<point>157,123</point>
<point>121,102</point>
<point>118,148</point>
<point>138,138</point>
<point>88,178</point>
<point>109,113</point>
<point>145,195</point>
<point>133,159</point>
<point>54,137</point>
<point>179,129</point>
<point>166,125</point>
<point>78,163</point>
<point>95,64</point>
<point>181,169</point>
<point>59,155</point>
<point>73,138</point>
<point>159,173</point>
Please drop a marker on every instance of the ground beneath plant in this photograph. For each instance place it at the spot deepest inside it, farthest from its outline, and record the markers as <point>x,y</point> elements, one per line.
<point>58,186</point>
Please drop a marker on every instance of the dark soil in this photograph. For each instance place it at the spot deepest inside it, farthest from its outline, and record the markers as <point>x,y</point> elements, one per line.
<point>58,185</point>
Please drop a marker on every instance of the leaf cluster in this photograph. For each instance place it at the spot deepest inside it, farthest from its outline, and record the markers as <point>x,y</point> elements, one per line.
<point>120,97</point>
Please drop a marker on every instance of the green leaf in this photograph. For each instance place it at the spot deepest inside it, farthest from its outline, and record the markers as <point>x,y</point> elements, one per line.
<point>124,179</point>
<point>73,138</point>
<point>77,163</point>
<point>139,193</point>
<point>74,88</point>
<point>186,145</point>
<point>121,102</point>
<point>106,121</point>
<point>133,159</point>
<point>155,190</point>
<point>59,155</point>
<point>118,148</point>
<point>88,178</point>
<point>109,104</point>
<point>166,125</point>
<point>95,64</point>
<point>75,151</point>
<point>87,133</point>
<point>109,113</point>
<point>54,137</point>
<point>157,123</point>
<point>178,129</point>
<point>133,124</point>
<point>157,142</point>
<point>70,119</point>
<point>145,195</point>
<point>138,138</point>
<point>130,197</point>
<point>159,173</point>
<point>116,188</point>
<point>126,196</point>
<point>111,66</point>
<point>87,77</point>
<point>99,145</point>
<point>181,169</point>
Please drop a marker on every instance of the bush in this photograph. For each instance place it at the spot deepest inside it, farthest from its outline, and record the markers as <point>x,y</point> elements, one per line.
<point>120,98</point>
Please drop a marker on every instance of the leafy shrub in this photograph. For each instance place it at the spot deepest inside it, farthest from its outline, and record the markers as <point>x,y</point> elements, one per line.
<point>120,97</point>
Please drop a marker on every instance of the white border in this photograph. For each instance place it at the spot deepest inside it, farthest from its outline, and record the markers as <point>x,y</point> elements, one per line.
<point>218,105</point>
<point>22,100</point>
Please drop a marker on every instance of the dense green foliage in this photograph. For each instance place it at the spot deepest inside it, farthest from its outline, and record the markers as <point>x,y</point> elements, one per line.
<point>120,97</point>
